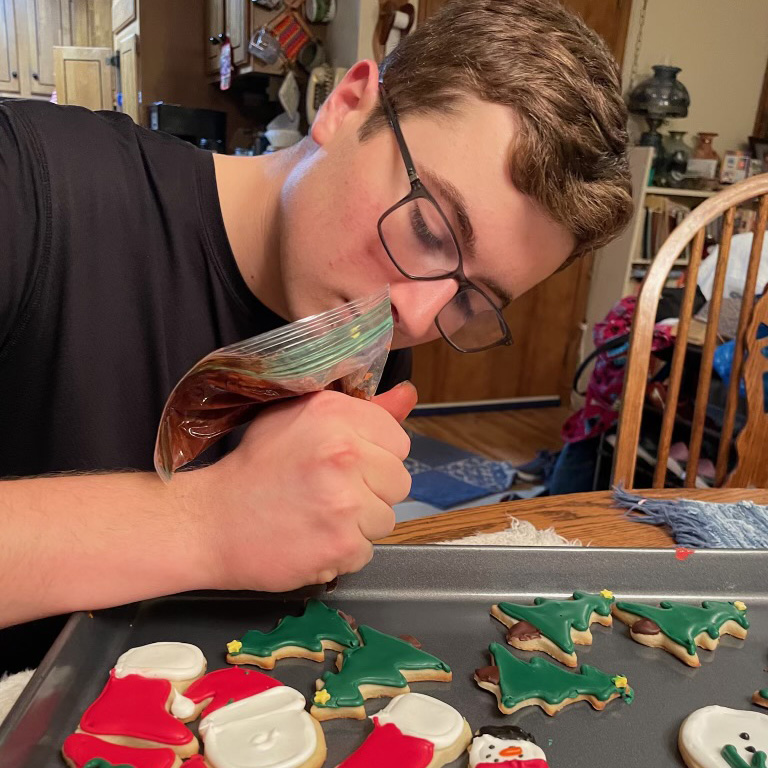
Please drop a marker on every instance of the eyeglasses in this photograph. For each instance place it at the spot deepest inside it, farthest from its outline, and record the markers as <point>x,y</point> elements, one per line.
<point>422,244</point>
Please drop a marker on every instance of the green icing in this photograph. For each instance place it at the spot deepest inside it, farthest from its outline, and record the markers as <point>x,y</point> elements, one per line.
<point>317,623</point>
<point>763,692</point>
<point>100,762</point>
<point>540,679</point>
<point>732,757</point>
<point>377,662</point>
<point>682,623</point>
<point>555,618</point>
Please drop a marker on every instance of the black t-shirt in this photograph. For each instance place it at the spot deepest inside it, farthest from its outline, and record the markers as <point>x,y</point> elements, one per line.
<point>116,276</point>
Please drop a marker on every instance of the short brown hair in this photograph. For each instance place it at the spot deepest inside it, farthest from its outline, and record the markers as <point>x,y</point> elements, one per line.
<point>544,62</point>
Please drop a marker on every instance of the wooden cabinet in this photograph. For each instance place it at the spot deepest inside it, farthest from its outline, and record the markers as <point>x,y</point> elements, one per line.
<point>215,29</point>
<point>83,76</point>
<point>227,18</point>
<point>9,57</point>
<point>237,29</point>
<point>123,13</point>
<point>127,48</point>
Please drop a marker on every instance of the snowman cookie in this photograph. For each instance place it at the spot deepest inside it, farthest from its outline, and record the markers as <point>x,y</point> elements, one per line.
<point>180,663</point>
<point>412,731</point>
<point>308,636</point>
<point>716,737</point>
<point>679,628</point>
<point>555,626</point>
<point>505,746</point>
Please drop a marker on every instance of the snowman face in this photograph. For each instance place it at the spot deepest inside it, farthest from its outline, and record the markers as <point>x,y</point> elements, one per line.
<point>281,740</point>
<point>489,749</point>
<point>706,732</point>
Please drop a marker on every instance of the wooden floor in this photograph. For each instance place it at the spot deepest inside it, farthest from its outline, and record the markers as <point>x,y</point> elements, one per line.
<point>510,435</point>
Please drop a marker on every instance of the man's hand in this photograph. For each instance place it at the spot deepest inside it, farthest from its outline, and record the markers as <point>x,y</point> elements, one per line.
<point>310,486</point>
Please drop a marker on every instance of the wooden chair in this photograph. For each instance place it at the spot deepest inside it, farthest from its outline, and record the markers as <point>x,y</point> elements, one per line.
<point>752,445</point>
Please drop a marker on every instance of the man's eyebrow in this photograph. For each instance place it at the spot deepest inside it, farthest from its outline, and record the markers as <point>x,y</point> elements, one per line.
<point>453,196</point>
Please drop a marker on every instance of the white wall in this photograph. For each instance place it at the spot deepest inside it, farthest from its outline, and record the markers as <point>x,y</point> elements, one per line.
<point>722,48</point>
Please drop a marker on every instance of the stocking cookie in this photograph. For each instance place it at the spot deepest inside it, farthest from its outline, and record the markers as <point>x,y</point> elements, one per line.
<point>134,711</point>
<point>679,628</point>
<point>382,666</point>
<point>505,746</point>
<point>716,737</point>
<point>412,731</point>
<point>308,636</point>
<point>555,626</point>
<point>80,750</point>
<point>517,683</point>
<point>180,663</point>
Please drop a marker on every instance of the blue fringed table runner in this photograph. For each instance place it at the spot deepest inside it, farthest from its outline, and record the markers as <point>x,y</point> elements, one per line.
<point>701,524</point>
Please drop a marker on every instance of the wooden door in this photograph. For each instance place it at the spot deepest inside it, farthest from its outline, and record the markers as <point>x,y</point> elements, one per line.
<point>83,76</point>
<point>9,57</point>
<point>123,13</point>
<point>237,29</point>
<point>92,23</point>
<point>546,322</point>
<point>48,24</point>
<point>127,46</point>
<point>215,28</point>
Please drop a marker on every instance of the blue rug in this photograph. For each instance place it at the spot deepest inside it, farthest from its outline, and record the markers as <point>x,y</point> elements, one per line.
<point>698,524</point>
<point>445,476</point>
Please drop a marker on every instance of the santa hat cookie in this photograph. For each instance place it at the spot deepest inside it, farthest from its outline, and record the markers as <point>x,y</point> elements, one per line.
<point>505,746</point>
<point>250,719</point>
<point>413,731</point>
<point>715,737</point>
<point>80,749</point>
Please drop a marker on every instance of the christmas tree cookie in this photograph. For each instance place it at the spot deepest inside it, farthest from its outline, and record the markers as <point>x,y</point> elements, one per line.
<point>308,636</point>
<point>382,666</point>
<point>717,737</point>
<point>761,697</point>
<point>679,628</point>
<point>517,683</point>
<point>555,626</point>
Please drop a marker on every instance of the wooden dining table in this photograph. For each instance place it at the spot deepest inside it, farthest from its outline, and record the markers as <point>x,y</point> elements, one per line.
<point>592,518</point>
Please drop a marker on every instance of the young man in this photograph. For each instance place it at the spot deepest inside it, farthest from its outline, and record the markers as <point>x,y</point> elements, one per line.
<point>128,255</point>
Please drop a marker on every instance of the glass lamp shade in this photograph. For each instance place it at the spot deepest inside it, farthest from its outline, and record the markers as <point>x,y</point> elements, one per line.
<point>661,96</point>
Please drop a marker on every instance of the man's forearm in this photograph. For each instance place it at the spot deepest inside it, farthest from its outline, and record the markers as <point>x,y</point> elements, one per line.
<point>81,542</point>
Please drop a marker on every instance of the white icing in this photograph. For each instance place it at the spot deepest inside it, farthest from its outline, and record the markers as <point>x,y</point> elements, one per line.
<point>281,699</point>
<point>169,661</point>
<point>489,749</point>
<point>182,707</point>
<point>424,717</point>
<point>706,731</point>
<point>285,739</point>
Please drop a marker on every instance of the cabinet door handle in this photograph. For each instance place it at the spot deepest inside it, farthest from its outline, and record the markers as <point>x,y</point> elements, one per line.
<point>213,40</point>
<point>14,75</point>
<point>35,76</point>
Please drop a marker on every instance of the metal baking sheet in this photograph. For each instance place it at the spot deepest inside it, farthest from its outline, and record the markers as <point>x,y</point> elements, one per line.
<point>442,595</point>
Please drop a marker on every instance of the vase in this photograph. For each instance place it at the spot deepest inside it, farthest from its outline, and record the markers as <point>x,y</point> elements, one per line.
<point>678,154</point>
<point>703,163</point>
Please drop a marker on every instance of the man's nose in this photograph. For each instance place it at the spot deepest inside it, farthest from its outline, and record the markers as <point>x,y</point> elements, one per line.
<point>418,302</point>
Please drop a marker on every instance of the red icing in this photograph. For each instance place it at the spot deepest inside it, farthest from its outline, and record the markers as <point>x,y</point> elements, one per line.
<point>226,685</point>
<point>195,762</point>
<point>135,706</point>
<point>386,746</point>
<point>79,748</point>
<point>681,553</point>
<point>515,764</point>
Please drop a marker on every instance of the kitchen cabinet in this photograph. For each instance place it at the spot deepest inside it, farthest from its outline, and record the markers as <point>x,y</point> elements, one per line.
<point>215,27</point>
<point>48,24</point>
<point>9,57</point>
<point>83,76</point>
<point>123,13</point>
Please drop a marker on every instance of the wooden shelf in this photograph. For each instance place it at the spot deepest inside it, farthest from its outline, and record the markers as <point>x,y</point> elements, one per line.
<point>672,192</point>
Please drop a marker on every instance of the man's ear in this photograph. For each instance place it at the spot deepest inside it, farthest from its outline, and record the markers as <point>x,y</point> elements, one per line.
<point>356,94</point>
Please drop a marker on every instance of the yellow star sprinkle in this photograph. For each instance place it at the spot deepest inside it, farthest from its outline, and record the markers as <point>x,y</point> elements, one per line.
<point>607,594</point>
<point>322,697</point>
<point>620,681</point>
<point>739,606</point>
<point>234,646</point>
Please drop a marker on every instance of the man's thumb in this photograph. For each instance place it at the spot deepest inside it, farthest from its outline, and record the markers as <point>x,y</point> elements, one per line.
<point>399,400</point>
